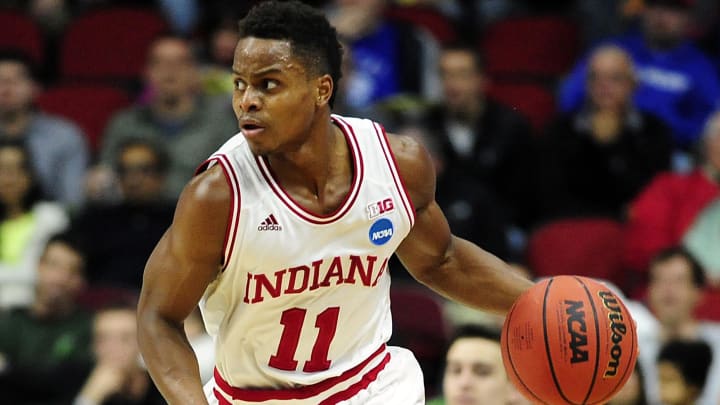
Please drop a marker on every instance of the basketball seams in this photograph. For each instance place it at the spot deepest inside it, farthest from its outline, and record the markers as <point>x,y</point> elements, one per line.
<point>547,344</point>
<point>597,338</point>
<point>509,356</point>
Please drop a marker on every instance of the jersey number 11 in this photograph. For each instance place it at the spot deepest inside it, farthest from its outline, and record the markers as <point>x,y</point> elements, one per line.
<point>292,321</point>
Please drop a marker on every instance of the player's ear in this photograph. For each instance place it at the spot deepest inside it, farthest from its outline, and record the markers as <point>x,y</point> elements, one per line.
<point>325,87</point>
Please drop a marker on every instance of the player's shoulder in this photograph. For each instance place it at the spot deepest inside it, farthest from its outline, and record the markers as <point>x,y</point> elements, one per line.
<point>415,166</point>
<point>206,190</point>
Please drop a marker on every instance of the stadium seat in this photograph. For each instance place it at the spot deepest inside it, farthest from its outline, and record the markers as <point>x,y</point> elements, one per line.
<point>19,32</point>
<point>533,101</point>
<point>419,325</point>
<point>109,44</point>
<point>425,17</point>
<point>89,106</point>
<point>544,46</point>
<point>94,298</point>
<point>709,306</point>
<point>590,247</point>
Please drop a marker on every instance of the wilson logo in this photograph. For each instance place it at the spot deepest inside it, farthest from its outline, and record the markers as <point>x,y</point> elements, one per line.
<point>618,329</point>
<point>577,328</point>
<point>269,224</point>
<point>381,231</point>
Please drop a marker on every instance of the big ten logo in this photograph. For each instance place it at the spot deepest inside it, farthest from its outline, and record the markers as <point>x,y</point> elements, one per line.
<point>380,207</point>
<point>577,328</point>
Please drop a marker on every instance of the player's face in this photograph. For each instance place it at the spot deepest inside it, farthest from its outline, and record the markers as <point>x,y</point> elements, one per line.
<point>474,374</point>
<point>671,292</point>
<point>275,98</point>
<point>16,87</point>
<point>462,80</point>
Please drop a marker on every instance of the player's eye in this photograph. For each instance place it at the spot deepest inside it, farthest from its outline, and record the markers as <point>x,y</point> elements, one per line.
<point>270,84</point>
<point>240,85</point>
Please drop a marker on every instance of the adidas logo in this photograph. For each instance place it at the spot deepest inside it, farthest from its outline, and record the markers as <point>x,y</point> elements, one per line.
<point>269,224</point>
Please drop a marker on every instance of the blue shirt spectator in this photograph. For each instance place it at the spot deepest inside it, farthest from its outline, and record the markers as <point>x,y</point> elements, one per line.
<point>677,82</point>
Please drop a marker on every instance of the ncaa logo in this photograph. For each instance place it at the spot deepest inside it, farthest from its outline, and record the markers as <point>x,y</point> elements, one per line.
<point>381,231</point>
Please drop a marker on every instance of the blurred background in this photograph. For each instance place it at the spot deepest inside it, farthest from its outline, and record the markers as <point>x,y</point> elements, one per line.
<point>569,137</point>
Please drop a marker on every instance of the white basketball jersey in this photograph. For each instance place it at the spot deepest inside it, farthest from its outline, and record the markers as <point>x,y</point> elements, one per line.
<point>302,297</point>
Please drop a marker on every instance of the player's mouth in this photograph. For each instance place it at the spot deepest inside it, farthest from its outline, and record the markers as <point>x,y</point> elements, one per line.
<point>251,128</point>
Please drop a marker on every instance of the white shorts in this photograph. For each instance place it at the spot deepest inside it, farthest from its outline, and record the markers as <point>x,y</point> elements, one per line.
<point>394,377</point>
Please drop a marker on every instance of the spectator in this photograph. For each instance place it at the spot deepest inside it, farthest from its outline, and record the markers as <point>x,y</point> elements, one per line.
<point>118,376</point>
<point>178,117</point>
<point>216,72</point>
<point>675,288</point>
<point>143,214</point>
<point>663,212</point>
<point>702,240</point>
<point>486,143</point>
<point>474,371</point>
<point>389,58</point>
<point>676,81</point>
<point>42,344</point>
<point>26,223</point>
<point>58,147</point>
<point>683,368</point>
<point>594,161</point>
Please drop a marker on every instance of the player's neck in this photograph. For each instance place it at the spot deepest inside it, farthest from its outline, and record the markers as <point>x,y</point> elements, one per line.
<point>317,162</point>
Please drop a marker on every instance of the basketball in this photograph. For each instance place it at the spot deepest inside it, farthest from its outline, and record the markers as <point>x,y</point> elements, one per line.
<point>569,340</point>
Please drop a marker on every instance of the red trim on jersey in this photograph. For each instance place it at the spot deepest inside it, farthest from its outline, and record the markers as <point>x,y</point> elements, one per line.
<point>309,391</point>
<point>352,390</point>
<point>234,214</point>
<point>221,399</point>
<point>392,164</point>
<point>350,197</point>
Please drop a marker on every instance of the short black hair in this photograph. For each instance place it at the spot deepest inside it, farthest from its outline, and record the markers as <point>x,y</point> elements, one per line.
<point>691,357</point>
<point>463,46</point>
<point>475,331</point>
<point>698,274</point>
<point>310,34</point>
<point>72,240</point>
<point>22,58</point>
<point>162,156</point>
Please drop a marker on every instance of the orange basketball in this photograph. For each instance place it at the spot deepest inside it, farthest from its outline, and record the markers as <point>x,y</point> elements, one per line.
<point>569,340</point>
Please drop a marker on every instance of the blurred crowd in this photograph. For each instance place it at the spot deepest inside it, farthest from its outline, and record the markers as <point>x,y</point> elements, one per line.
<point>569,137</point>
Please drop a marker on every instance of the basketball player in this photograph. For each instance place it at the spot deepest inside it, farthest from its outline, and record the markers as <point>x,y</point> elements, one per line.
<point>284,237</point>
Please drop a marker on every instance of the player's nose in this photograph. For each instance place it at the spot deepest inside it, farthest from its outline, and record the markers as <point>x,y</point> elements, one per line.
<point>250,100</point>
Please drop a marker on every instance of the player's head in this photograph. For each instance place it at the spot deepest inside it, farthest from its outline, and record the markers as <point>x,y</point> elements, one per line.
<point>682,371</point>
<point>675,285</point>
<point>60,273</point>
<point>18,87</point>
<point>142,168</point>
<point>461,71</point>
<point>286,69</point>
<point>474,372</point>
<point>19,189</point>
<point>171,69</point>
<point>610,78</point>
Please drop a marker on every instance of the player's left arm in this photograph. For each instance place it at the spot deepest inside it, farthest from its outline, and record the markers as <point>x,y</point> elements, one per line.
<point>452,266</point>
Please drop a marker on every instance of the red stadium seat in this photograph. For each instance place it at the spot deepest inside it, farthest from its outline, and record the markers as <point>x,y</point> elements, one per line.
<point>19,32</point>
<point>424,17</point>
<point>533,101</point>
<point>590,247</point>
<point>109,44</point>
<point>709,306</point>
<point>533,46</point>
<point>90,106</point>
<point>96,297</point>
<point>419,325</point>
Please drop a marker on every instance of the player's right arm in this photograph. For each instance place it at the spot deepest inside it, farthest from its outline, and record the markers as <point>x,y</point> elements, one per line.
<point>186,259</point>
